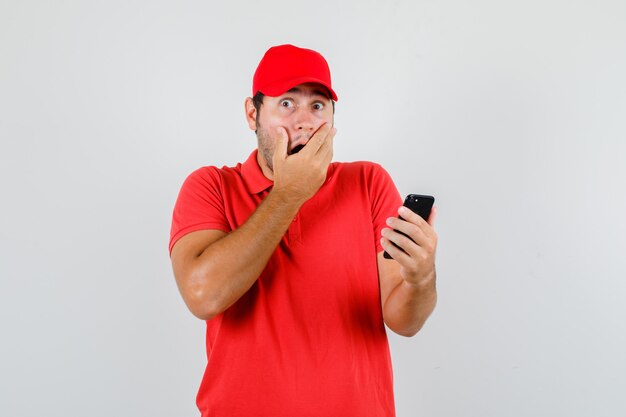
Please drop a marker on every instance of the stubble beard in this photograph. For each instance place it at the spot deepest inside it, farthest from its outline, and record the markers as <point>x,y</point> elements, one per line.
<point>266,145</point>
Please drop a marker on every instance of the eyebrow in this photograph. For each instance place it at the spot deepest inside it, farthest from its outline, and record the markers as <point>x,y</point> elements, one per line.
<point>316,92</point>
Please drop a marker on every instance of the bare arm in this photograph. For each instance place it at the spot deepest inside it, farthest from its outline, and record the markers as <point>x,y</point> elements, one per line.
<point>408,290</point>
<point>214,269</point>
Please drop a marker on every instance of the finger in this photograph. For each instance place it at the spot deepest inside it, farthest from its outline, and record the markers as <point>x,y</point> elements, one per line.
<point>413,231</point>
<point>417,220</point>
<point>317,140</point>
<point>328,140</point>
<point>326,150</point>
<point>406,252</point>
<point>410,216</point>
<point>396,253</point>
<point>402,241</point>
<point>432,217</point>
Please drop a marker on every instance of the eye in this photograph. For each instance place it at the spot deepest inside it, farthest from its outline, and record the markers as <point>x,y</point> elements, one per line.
<point>286,103</point>
<point>318,106</point>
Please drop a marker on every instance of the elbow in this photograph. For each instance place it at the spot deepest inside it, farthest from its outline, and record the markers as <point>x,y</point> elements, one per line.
<point>201,300</point>
<point>199,305</point>
<point>408,332</point>
<point>404,327</point>
<point>202,312</point>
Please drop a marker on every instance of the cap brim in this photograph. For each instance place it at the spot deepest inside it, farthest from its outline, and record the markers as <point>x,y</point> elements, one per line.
<point>280,87</point>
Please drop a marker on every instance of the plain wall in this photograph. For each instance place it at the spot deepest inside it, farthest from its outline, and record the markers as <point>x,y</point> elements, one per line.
<point>513,114</point>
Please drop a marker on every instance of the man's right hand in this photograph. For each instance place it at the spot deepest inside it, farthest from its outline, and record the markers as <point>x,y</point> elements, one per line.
<point>214,269</point>
<point>300,176</point>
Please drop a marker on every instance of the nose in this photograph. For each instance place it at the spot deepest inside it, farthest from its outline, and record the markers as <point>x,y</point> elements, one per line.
<point>305,121</point>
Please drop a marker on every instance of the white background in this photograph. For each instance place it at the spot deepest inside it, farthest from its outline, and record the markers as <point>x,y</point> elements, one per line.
<point>513,114</point>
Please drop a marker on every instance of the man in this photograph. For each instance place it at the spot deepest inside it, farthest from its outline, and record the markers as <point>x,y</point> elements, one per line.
<point>283,257</point>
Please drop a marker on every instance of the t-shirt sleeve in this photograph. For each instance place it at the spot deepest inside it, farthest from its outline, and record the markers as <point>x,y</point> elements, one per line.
<point>385,200</point>
<point>199,205</point>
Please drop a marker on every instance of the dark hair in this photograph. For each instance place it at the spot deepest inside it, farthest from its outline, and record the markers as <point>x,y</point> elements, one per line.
<point>257,100</point>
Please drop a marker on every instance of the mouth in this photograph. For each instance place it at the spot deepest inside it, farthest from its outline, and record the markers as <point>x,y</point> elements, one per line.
<point>297,149</point>
<point>303,140</point>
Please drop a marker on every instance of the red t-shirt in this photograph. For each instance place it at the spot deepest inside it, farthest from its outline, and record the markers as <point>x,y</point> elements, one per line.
<point>308,339</point>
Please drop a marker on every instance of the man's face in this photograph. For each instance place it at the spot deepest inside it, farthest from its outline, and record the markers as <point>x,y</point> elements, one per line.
<point>301,111</point>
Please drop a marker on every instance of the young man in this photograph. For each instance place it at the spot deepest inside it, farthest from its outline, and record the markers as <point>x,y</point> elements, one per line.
<point>283,257</point>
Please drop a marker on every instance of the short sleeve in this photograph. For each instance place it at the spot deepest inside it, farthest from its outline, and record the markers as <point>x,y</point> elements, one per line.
<point>199,205</point>
<point>385,200</point>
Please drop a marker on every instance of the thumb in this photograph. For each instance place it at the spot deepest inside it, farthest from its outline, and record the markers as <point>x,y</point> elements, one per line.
<point>433,216</point>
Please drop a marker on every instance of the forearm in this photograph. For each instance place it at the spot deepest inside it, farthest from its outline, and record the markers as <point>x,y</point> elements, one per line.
<point>408,306</point>
<point>225,270</point>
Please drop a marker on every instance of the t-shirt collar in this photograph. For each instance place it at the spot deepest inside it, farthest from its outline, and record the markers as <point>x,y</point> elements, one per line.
<point>253,176</point>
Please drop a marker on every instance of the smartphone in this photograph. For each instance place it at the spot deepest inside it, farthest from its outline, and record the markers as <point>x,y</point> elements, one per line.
<point>420,204</point>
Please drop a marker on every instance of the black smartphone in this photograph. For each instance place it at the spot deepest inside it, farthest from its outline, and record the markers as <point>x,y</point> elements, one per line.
<point>420,204</point>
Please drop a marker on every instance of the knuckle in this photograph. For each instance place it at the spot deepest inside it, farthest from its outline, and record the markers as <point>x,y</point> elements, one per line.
<point>412,269</point>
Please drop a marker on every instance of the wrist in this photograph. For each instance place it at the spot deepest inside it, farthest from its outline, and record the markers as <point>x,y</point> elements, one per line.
<point>426,284</point>
<point>285,200</point>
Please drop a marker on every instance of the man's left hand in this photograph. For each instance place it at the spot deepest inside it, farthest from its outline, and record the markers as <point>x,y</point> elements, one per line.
<point>418,259</point>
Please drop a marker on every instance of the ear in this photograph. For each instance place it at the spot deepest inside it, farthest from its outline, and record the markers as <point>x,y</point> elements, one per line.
<point>250,113</point>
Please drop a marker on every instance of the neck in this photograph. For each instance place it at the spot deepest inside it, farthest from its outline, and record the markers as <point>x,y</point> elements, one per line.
<point>269,174</point>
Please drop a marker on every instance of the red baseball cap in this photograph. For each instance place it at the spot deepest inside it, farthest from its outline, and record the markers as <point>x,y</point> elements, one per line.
<point>285,66</point>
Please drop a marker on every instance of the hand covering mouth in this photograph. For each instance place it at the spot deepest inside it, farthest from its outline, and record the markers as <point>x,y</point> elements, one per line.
<point>306,137</point>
